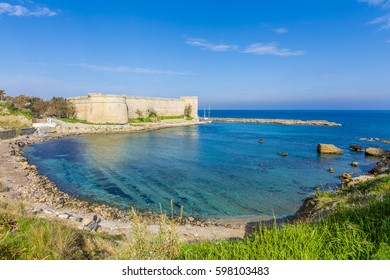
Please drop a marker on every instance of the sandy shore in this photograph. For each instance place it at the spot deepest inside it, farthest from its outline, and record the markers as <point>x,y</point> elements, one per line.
<point>21,182</point>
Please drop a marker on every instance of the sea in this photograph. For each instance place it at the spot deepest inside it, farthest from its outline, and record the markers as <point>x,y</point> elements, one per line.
<point>214,170</point>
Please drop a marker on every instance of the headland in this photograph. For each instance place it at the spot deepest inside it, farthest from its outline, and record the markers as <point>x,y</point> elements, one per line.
<point>277,121</point>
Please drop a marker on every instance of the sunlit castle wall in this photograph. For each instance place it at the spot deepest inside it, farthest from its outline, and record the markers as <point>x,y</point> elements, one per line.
<point>144,106</point>
<point>82,105</point>
<point>101,108</point>
<point>106,108</point>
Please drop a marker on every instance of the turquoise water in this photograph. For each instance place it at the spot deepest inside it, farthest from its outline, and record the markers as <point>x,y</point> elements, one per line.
<point>212,170</point>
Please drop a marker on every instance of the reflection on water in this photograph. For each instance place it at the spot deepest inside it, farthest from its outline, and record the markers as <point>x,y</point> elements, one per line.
<point>102,149</point>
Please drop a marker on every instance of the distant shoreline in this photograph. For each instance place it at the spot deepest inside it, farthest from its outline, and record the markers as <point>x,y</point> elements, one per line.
<point>277,121</point>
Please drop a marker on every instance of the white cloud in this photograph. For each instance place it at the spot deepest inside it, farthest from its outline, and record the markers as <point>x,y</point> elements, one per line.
<point>124,69</point>
<point>280,30</point>
<point>383,22</point>
<point>271,49</point>
<point>257,48</point>
<point>383,3</point>
<point>210,46</point>
<point>21,11</point>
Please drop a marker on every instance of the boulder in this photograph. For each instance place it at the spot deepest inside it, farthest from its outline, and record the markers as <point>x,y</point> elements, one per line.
<point>356,148</point>
<point>331,170</point>
<point>381,167</point>
<point>346,176</point>
<point>260,141</point>
<point>345,179</point>
<point>63,215</point>
<point>283,154</point>
<point>329,149</point>
<point>375,152</point>
<point>355,164</point>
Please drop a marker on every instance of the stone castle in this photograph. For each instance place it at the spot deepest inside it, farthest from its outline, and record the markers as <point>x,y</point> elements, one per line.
<point>108,108</point>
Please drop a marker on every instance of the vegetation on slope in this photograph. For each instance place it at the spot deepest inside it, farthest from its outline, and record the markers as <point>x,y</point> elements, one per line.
<point>26,237</point>
<point>13,119</point>
<point>357,228</point>
<point>35,107</point>
<point>23,236</point>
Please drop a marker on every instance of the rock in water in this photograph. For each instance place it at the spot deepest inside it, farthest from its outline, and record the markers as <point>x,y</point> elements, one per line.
<point>260,141</point>
<point>355,164</point>
<point>375,152</point>
<point>329,149</point>
<point>283,154</point>
<point>356,148</point>
<point>331,170</point>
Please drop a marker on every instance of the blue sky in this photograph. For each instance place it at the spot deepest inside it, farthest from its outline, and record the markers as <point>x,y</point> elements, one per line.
<point>300,54</point>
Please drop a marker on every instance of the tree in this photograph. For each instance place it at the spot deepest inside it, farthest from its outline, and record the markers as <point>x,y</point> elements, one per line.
<point>2,93</point>
<point>38,106</point>
<point>21,101</point>
<point>188,110</point>
<point>61,108</point>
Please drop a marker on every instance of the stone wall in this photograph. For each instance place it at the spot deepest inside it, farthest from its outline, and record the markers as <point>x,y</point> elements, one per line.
<point>105,108</point>
<point>7,134</point>
<point>28,131</point>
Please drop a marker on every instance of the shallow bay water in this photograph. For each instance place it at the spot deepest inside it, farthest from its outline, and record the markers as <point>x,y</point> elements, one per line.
<point>212,170</point>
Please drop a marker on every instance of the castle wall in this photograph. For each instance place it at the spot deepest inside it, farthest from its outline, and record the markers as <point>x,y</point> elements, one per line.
<point>161,106</point>
<point>104,108</point>
<point>82,107</point>
<point>107,109</point>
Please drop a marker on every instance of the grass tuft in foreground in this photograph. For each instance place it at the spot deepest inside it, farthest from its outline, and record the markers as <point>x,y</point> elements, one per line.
<point>146,245</point>
<point>24,237</point>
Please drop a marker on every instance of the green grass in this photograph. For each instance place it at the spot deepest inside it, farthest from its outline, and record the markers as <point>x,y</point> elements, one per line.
<point>82,121</point>
<point>17,112</point>
<point>171,117</point>
<point>140,120</point>
<point>24,237</point>
<point>158,118</point>
<point>27,237</point>
<point>68,120</point>
<point>145,245</point>
<point>358,228</point>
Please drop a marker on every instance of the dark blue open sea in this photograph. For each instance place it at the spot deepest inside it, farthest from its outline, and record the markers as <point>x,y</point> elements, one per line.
<point>213,170</point>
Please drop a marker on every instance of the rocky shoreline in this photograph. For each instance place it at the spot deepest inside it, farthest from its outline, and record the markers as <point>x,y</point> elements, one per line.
<point>310,211</point>
<point>278,121</point>
<point>20,181</point>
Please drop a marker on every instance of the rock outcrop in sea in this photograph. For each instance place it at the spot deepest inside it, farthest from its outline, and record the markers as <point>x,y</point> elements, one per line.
<point>375,152</point>
<point>356,148</point>
<point>329,149</point>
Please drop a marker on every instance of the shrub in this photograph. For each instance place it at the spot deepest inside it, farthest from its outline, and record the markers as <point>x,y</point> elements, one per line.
<point>188,110</point>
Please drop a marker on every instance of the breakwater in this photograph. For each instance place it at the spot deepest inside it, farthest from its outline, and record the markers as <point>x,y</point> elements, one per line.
<point>278,121</point>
